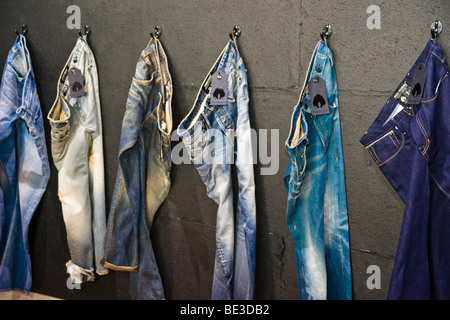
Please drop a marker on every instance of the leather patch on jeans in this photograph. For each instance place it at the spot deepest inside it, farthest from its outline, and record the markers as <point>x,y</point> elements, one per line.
<point>418,83</point>
<point>318,95</point>
<point>76,82</point>
<point>219,89</point>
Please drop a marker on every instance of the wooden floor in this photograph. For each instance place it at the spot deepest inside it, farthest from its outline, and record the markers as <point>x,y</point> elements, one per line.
<point>17,295</point>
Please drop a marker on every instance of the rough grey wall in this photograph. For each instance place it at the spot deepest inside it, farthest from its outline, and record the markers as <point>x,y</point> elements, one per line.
<point>277,40</point>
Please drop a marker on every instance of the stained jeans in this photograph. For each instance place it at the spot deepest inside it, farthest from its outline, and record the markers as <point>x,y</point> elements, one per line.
<point>317,204</point>
<point>143,177</point>
<point>410,145</point>
<point>24,166</point>
<point>77,150</point>
<point>213,135</point>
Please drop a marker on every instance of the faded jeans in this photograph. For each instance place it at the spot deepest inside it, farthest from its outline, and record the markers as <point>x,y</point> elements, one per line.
<point>317,202</point>
<point>143,177</point>
<point>24,166</point>
<point>77,150</point>
<point>213,136</point>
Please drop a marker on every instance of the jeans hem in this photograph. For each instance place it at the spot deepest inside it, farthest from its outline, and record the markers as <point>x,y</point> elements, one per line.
<point>119,268</point>
<point>79,274</point>
<point>102,273</point>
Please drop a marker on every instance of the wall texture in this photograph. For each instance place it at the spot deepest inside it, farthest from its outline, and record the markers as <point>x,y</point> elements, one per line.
<point>277,41</point>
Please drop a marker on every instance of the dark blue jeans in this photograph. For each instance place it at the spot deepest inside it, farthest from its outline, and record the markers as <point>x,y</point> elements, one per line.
<point>411,146</point>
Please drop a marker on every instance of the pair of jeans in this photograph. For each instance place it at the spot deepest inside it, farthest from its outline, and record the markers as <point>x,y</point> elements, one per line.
<point>315,182</point>
<point>143,177</point>
<point>77,151</point>
<point>410,145</point>
<point>213,136</point>
<point>24,165</point>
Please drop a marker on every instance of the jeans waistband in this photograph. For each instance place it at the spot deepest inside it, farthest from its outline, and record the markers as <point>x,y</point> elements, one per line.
<point>299,126</point>
<point>151,78</point>
<point>401,120</point>
<point>227,60</point>
<point>155,55</point>
<point>80,47</point>
<point>20,61</point>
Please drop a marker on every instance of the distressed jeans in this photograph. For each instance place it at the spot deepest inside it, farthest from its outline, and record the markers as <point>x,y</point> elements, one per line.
<point>317,203</point>
<point>24,166</point>
<point>214,135</point>
<point>409,142</point>
<point>77,150</point>
<point>143,178</point>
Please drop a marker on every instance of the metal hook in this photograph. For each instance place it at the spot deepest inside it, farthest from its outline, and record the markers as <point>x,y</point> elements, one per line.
<point>87,31</point>
<point>326,33</point>
<point>24,30</point>
<point>236,33</point>
<point>436,29</point>
<point>158,31</point>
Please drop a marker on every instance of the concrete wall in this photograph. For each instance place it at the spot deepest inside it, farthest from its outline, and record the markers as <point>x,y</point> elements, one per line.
<point>277,40</point>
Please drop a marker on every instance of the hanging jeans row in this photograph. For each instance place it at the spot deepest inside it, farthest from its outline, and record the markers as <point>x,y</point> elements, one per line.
<point>408,141</point>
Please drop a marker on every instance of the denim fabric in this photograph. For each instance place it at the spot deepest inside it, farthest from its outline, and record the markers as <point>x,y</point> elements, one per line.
<point>411,148</point>
<point>143,177</point>
<point>24,166</point>
<point>77,150</point>
<point>317,204</point>
<point>213,136</point>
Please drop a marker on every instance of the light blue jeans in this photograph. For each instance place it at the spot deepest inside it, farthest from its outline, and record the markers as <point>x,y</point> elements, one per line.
<point>214,136</point>
<point>77,150</point>
<point>24,166</point>
<point>143,177</point>
<point>317,204</point>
